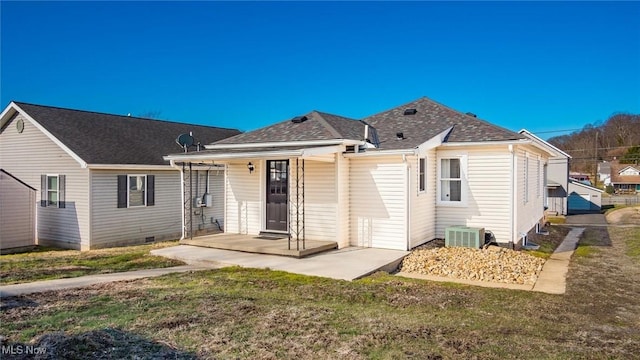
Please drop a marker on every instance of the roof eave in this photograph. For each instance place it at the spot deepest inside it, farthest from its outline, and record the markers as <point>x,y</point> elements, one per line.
<point>128,167</point>
<point>485,143</point>
<point>367,153</point>
<point>527,133</point>
<point>306,152</point>
<point>284,144</point>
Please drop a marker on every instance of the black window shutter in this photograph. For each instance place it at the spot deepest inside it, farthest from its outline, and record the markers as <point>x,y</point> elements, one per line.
<point>151,190</point>
<point>122,191</point>
<point>61,191</point>
<point>43,190</point>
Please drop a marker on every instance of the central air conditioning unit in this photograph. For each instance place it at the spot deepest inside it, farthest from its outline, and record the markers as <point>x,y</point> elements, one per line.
<point>464,236</point>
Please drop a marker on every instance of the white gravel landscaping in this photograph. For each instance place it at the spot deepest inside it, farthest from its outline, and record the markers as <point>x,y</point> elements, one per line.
<point>494,264</point>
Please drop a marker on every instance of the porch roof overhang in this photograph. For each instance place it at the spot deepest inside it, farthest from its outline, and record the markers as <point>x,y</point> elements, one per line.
<point>267,152</point>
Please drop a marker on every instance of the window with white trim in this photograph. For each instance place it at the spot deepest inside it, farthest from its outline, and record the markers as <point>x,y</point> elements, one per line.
<point>422,176</point>
<point>137,185</point>
<point>451,180</point>
<point>52,191</point>
<point>136,190</point>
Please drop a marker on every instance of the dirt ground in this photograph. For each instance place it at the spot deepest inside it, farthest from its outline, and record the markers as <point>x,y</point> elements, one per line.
<point>624,216</point>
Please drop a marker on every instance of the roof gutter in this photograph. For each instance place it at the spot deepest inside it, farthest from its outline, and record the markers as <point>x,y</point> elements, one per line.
<point>284,143</point>
<point>127,167</point>
<point>257,154</point>
<point>485,143</point>
<point>383,153</point>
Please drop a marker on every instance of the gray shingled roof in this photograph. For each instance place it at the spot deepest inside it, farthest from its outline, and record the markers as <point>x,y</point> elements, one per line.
<point>318,126</point>
<point>99,138</point>
<point>431,119</point>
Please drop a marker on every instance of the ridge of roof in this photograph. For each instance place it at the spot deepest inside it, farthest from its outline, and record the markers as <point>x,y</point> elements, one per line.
<point>318,126</point>
<point>471,117</point>
<point>116,115</point>
<point>431,119</point>
<point>326,124</point>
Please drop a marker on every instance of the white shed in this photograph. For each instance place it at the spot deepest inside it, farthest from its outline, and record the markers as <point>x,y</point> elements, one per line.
<point>583,198</point>
<point>17,214</point>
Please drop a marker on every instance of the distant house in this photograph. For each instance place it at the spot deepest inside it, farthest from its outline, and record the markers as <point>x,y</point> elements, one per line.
<point>577,176</point>
<point>101,180</point>
<point>556,174</point>
<point>393,180</point>
<point>604,173</point>
<point>625,179</point>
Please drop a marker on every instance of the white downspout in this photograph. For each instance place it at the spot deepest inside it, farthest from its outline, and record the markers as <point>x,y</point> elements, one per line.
<point>512,198</point>
<point>407,195</point>
<point>173,165</point>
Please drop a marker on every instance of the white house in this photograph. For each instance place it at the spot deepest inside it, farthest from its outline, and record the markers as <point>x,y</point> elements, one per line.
<point>556,176</point>
<point>100,178</point>
<point>394,180</point>
<point>625,179</point>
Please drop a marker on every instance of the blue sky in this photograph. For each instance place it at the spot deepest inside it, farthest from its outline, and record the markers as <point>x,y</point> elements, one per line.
<point>543,66</point>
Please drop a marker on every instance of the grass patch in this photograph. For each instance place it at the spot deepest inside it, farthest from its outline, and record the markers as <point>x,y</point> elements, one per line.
<point>590,240</point>
<point>632,243</point>
<point>548,243</point>
<point>48,264</point>
<point>556,220</point>
<point>261,314</point>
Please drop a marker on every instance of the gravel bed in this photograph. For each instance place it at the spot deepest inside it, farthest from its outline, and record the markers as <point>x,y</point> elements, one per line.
<point>494,264</point>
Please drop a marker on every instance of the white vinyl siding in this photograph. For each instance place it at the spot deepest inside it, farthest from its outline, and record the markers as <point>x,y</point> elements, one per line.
<point>423,209</point>
<point>539,178</point>
<point>30,154</point>
<point>206,218</point>
<point>243,194</point>
<point>488,188</point>
<point>525,176</point>
<point>320,200</point>
<point>530,208</point>
<point>113,226</point>
<point>378,203</point>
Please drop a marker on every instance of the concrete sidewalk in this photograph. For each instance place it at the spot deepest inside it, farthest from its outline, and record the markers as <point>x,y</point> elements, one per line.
<point>82,281</point>
<point>553,277</point>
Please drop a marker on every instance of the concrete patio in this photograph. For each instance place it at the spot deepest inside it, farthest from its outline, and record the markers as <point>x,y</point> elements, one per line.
<point>346,264</point>
<point>261,245</point>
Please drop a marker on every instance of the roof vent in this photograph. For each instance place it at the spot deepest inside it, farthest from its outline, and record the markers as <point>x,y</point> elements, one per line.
<point>472,114</point>
<point>400,136</point>
<point>298,119</point>
<point>410,111</point>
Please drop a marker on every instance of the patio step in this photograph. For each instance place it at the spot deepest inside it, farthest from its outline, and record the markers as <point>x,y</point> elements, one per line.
<point>273,235</point>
